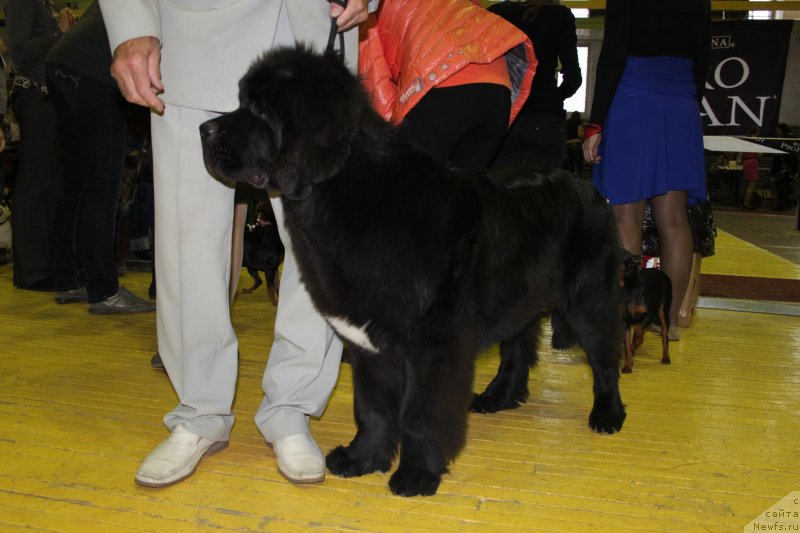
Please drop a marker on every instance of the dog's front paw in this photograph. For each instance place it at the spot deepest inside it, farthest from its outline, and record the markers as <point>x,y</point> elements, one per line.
<point>341,463</point>
<point>607,417</point>
<point>414,482</point>
<point>487,403</point>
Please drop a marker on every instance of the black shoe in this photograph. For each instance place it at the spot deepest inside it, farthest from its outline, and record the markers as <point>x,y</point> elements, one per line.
<point>72,296</point>
<point>156,362</point>
<point>123,302</point>
<point>748,207</point>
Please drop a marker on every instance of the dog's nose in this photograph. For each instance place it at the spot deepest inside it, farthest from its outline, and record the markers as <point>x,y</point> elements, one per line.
<point>208,129</point>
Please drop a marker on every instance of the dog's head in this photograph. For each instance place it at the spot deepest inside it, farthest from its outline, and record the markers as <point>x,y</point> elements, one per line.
<point>630,269</point>
<point>632,285</point>
<point>297,118</point>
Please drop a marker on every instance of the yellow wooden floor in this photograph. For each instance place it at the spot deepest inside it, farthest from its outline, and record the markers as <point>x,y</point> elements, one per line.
<point>710,442</point>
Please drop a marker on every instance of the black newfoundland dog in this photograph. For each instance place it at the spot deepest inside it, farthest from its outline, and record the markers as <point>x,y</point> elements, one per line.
<point>420,267</point>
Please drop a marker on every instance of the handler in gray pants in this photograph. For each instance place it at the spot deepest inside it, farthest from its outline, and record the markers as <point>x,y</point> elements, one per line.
<point>184,58</point>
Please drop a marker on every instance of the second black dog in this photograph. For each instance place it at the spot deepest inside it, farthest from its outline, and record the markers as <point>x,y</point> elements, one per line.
<point>263,252</point>
<point>648,298</point>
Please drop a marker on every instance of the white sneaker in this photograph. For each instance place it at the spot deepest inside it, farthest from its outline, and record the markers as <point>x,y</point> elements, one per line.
<point>176,458</point>
<point>299,458</point>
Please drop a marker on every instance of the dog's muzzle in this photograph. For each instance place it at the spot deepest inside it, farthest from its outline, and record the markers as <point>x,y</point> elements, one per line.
<point>209,136</point>
<point>217,155</point>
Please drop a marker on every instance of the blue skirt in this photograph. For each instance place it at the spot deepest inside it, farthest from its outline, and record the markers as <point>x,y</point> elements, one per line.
<point>652,137</point>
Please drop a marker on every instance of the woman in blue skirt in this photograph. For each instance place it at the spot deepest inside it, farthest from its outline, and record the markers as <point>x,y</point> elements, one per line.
<point>645,133</point>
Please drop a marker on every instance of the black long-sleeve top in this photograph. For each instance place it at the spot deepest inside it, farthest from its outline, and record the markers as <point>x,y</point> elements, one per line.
<point>648,28</point>
<point>552,33</point>
<point>32,30</point>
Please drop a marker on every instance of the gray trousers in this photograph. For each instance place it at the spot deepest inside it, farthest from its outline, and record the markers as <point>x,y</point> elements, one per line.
<point>195,337</point>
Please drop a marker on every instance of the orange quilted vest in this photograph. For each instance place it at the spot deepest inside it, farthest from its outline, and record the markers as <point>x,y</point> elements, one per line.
<point>408,47</point>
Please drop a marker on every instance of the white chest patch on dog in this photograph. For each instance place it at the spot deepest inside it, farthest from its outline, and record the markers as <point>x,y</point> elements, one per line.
<point>352,333</point>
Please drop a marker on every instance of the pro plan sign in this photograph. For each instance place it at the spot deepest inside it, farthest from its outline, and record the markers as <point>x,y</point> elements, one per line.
<point>745,81</point>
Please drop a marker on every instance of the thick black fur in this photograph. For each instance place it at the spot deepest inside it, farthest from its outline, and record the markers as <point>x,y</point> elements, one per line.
<point>263,252</point>
<point>433,264</point>
<point>648,298</point>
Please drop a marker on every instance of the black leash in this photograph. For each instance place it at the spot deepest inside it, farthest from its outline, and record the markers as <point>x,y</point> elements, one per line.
<point>333,32</point>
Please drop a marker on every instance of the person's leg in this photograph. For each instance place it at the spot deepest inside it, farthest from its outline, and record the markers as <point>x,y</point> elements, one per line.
<point>301,372</point>
<point>629,225</point>
<point>195,336</point>
<point>552,149</point>
<point>514,145</point>
<point>748,195</point>
<point>676,242</point>
<point>534,139</point>
<point>546,141</point>
<point>196,341</point>
<point>35,187</point>
<point>69,275</point>
<point>100,123</point>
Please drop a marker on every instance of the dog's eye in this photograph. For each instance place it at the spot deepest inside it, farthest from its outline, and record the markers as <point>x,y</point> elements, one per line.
<point>262,114</point>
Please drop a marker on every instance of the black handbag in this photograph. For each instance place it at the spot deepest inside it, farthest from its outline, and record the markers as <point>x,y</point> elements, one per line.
<point>650,242</point>
<point>701,221</point>
<point>704,230</point>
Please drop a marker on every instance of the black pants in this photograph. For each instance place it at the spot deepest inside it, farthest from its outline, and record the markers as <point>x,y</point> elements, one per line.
<point>35,187</point>
<point>462,125</point>
<point>93,127</point>
<point>534,139</point>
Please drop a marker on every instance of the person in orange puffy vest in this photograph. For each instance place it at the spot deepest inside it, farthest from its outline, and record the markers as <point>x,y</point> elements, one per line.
<point>452,73</point>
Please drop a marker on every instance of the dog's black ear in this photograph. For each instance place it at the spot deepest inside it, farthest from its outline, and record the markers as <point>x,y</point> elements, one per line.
<point>315,149</point>
<point>322,112</point>
<point>314,105</point>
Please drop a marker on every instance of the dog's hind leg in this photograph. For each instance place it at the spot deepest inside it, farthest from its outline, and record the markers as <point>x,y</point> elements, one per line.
<point>663,316</point>
<point>665,324</point>
<point>272,288</point>
<point>378,391</point>
<point>563,336</point>
<point>433,419</point>
<point>509,388</point>
<point>256,281</point>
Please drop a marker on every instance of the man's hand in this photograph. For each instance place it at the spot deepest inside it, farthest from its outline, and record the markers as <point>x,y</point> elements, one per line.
<point>137,69</point>
<point>2,140</point>
<point>354,14</point>
<point>65,20</point>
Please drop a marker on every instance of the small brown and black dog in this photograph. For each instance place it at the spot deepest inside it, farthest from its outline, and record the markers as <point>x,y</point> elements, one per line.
<point>263,251</point>
<point>648,296</point>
